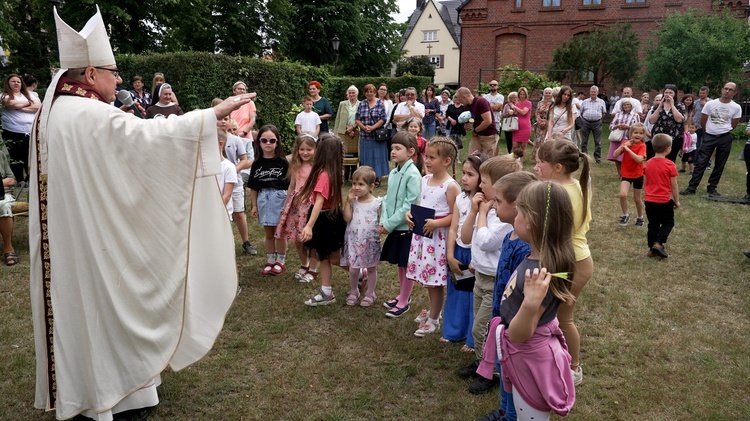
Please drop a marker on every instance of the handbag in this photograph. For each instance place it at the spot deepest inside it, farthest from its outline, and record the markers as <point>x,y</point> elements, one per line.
<point>510,124</point>
<point>687,141</point>
<point>616,135</point>
<point>382,135</point>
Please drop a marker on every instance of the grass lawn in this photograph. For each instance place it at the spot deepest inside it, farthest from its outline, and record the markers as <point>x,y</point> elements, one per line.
<point>661,340</point>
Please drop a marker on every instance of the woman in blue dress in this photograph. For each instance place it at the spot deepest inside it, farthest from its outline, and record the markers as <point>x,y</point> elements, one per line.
<point>370,117</point>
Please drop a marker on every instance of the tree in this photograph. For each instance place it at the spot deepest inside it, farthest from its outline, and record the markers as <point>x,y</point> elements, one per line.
<point>415,65</point>
<point>607,54</point>
<point>693,50</point>
<point>27,32</point>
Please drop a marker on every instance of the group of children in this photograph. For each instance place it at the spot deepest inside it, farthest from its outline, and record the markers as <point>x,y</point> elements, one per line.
<point>658,176</point>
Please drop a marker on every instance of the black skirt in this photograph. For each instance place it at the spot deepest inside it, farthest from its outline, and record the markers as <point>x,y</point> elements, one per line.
<point>328,233</point>
<point>396,248</point>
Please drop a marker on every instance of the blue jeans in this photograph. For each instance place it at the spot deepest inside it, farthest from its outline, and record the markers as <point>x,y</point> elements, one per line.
<point>429,130</point>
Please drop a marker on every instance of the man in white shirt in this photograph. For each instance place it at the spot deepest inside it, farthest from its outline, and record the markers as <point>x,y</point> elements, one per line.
<point>411,108</point>
<point>496,100</point>
<point>627,95</point>
<point>718,118</point>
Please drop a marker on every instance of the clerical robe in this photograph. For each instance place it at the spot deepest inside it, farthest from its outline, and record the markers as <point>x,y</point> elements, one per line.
<point>132,253</point>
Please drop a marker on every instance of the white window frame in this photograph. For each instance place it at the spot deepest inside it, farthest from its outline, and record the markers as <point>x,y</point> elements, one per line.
<point>430,36</point>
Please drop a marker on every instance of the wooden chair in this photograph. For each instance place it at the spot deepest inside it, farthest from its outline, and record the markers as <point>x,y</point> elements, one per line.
<point>351,153</point>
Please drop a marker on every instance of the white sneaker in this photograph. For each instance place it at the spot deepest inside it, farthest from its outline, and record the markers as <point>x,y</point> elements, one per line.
<point>577,376</point>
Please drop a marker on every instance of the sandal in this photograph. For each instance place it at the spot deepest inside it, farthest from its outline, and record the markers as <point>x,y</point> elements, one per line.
<point>466,348</point>
<point>11,258</point>
<point>301,272</point>
<point>267,269</point>
<point>278,268</point>
<point>352,298</point>
<point>368,300</point>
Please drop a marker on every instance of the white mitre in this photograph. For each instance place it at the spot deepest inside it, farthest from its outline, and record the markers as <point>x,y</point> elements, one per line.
<point>90,47</point>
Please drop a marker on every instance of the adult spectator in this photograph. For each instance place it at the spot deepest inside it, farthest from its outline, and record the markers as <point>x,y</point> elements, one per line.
<point>593,109</point>
<point>718,117</point>
<point>484,131</point>
<point>320,105</point>
<point>431,110</point>
<point>165,107</point>
<point>509,111</point>
<point>645,105</point>
<point>689,102</point>
<point>622,121</point>
<point>627,96</point>
<point>370,116</point>
<point>136,271</point>
<point>7,180</point>
<point>245,115</point>
<point>452,127</point>
<point>18,109</point>
<point>668,117</point>
<point>155,82</point>
<point>346,127</point>
<point>541,114</point>
<point>523,108</point>
<point>140,96</point>
<point>497,101</point>
<point>384,96</point>
<point>577,101</point>
<point>614,98</point>
<point>562,117</point>
<point>445,102</point>
<point>411,108</point>
<point>698,106</point>
<point>31,85</point>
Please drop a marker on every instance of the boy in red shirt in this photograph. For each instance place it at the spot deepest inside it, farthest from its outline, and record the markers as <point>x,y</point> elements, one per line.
<point>662,196</point>
<point>634,155</point>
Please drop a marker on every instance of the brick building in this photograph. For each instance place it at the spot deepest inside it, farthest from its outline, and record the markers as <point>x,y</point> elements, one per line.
<point>525,33</point>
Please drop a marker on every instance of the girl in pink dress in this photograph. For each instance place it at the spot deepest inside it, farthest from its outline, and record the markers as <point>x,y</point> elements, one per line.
<point>294,216</point>
<point>428,259</point>
<point>522,109</point>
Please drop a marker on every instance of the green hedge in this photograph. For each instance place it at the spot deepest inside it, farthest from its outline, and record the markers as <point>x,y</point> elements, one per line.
<point>198,77</point>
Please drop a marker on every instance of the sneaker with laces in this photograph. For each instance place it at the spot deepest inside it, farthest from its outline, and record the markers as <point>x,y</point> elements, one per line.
<point>482,385</point>
<point>468,371</point>
<point>577,376</point>
<point>426,328</point>
<point>249,249</point>
<point>639,222</point>
<point>423,316</point>
<point>624,220</point>
<point>321,299</point>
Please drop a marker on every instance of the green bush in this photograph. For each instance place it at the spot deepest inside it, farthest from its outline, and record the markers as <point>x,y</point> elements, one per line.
<point>198,77</point>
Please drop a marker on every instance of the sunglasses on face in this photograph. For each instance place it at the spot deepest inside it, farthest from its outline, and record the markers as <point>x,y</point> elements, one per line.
<point>271,141</point>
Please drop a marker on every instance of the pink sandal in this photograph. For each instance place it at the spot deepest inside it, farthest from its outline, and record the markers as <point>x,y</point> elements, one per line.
<point>278,268</point>
<point>267,269</point>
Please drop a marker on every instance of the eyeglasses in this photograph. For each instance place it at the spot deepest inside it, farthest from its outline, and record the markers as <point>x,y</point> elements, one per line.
<point>115,72</point>
<point>493,84</point>
<point>159,74</point>
<point>271,141</point>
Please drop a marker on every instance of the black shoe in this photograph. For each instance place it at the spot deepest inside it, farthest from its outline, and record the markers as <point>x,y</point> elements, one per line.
<point>658,250</point>
<point>598,161</point>
<point>482,385</point>
<point>687,191</point>
<point>747,253</point>
<point>681,171</point>
<point>468,371</point>
<point>495,415</point>
<point>713,193</point>
<point>249,249</point>
<point>746,198</point>
<point>139,414</point>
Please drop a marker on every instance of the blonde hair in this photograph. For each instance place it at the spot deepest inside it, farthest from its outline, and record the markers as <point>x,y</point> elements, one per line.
<point>499,166</point>
<point>661,142</point>
<point>510,185</point>
<point>445,148</point>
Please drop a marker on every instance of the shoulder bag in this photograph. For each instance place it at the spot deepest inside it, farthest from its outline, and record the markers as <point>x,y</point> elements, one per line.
<point>510,124</point>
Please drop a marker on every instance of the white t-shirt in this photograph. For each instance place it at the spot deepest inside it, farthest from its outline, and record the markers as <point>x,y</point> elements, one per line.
<point>16,121</point>
<point>308,122</point>
<point>494,99</point>
<point>227,175</point>
<point>720,116</point>
<point>577,104</point>
<point>235,148</point>
<point>636,105</point>
<point>403,108</point>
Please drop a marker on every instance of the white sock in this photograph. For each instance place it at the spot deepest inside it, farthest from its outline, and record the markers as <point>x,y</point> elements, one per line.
<point>281,258</point>
<point>270,258</point>
<point>433,321</point>
<point>326,290</point>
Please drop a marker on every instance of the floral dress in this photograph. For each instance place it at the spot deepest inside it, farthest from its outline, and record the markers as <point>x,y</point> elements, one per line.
<point>540,129</point>
<point>362,238</point>
<point>428,261</point>
<point>294,216</point>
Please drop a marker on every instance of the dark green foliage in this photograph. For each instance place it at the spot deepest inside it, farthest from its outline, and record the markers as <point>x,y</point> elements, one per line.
<point>693,50</point>
<point>415,65</point>
<point>608,54</point>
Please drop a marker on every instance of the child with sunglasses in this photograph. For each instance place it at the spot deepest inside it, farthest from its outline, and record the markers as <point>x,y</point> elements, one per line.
<point>268,185</point>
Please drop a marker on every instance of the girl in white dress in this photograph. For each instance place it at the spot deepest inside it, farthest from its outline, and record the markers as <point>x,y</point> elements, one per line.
<point>362,238</point>
<point>428,259</point>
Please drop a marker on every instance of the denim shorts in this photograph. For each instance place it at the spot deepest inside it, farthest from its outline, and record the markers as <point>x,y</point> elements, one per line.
<point>270,204</point>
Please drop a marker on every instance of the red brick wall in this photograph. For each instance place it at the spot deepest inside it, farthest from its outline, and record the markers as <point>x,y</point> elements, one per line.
<point>494,33</point>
